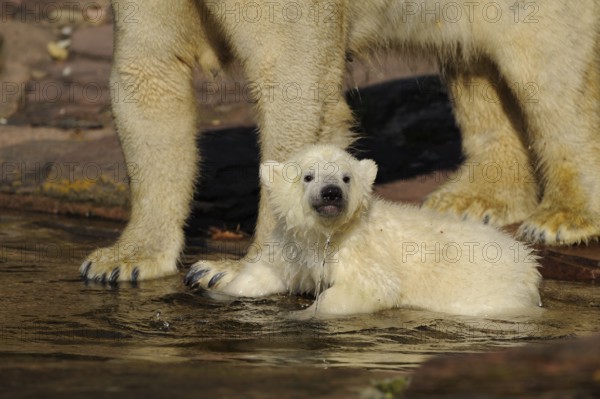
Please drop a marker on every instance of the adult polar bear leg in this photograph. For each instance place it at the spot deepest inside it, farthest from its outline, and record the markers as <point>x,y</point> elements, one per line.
<point>304,62</point>
<point>154,108</point>
<point>563,121</point>
<point>495,184</point>
<point>299,90</point>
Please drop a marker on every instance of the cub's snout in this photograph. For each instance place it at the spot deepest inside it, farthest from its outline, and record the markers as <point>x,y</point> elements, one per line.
<point>330,201</point>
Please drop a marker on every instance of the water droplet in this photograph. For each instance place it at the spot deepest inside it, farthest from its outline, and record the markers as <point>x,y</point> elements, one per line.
<point>322,273</point>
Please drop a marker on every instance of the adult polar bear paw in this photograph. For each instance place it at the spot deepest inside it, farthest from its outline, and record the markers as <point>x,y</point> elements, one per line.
<point>498,201</point>
<point>121,263</point>
<point>560,227</point>
<point>487,209</point>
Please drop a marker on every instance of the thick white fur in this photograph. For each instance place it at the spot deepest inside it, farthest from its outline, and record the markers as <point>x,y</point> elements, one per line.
<point>381,255</point>
<point>523,76</point>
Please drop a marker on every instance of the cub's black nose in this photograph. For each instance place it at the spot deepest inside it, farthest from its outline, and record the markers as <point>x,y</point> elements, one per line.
<point>331,194</point>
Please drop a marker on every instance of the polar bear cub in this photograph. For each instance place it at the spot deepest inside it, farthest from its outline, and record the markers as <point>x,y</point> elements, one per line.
<point>357,253</point>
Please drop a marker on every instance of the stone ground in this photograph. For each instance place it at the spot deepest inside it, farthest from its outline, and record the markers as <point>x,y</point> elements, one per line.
<point>59,151</point>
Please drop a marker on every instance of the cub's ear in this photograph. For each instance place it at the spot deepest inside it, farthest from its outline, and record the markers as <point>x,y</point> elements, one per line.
<point>368,170</point>
<point>269,171</point>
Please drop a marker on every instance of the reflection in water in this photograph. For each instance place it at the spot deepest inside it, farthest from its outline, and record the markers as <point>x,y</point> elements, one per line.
<point>46,309</point>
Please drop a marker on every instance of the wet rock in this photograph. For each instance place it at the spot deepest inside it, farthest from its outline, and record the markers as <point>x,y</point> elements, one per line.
<point>68,175</point>
<point>74,376</point>
<point>568,369</point>
<point>576,263</point>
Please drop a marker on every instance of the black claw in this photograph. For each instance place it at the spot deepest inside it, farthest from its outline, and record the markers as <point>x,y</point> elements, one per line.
<point>215,279</point>
<point>194,275</point>
<point>114,276</point>
<point>543,237</point>
<point>86,269</point>
<point>135,274</point>
<point>486,219</point>
<point>558,237</point>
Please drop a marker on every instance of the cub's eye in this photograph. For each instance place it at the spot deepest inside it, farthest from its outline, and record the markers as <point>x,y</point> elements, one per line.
<point>308,178</point>
<point>346,179</point>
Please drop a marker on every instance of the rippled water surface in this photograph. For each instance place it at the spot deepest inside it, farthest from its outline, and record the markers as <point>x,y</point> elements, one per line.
<point>48,312</point>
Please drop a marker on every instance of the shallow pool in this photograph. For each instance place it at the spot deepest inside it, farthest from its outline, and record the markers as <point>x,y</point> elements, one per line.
<point>47,312</point>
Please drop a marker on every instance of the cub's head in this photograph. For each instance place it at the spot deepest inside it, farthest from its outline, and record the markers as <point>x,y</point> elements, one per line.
<point>320,187</point>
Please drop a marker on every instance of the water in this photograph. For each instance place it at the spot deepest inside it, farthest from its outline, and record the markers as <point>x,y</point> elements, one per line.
<point>47,311</point>
<point>322,267</point>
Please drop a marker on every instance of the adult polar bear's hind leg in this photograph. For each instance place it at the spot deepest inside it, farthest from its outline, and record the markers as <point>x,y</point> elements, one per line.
<point>496,184</point>
<point>563,120</point>
<point>547,56</point>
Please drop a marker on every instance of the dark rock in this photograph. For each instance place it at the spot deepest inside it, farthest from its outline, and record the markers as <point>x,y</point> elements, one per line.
<point>64,376</point>
<point>227,193</point>
<point>568,369</point>
<point>576,263</point>
<point>407,127</point>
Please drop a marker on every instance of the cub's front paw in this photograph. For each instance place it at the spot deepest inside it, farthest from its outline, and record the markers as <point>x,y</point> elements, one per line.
<point>212,275</point>
<point>114,264</point>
